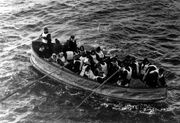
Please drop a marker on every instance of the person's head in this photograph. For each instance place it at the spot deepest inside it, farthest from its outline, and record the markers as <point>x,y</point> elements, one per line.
<point>57,41</point>
<point>98,49</point>
<point>114,61</point>
<point>145,61</point>
<point>81,48</point>
<point>161,71</point>
<point>93,52</point>
<point>54,56</point>
<point>45,30</point>
<point>72,37</point>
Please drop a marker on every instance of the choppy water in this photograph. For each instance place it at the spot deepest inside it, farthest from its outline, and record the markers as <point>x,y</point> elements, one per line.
<point>144,28</point>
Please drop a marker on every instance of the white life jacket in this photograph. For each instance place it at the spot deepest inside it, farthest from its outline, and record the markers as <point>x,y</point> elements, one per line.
<point>144,68</point>
<point>100,54</point>
<point>137,67</point>
<point>148,71</point>
<point>70,55</point>
<point>153,66</point>
<point>94,58</point>
<point>104,68</point>
<point>44,36</point>
<point>82,59</point>
<point>129,73</point>
<point>90,74</point>
<point>83,70</point>
<point>153,71</point>
<point>62,59</point>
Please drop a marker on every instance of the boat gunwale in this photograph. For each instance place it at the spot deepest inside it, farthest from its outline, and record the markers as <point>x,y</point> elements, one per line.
<point>87,79</point>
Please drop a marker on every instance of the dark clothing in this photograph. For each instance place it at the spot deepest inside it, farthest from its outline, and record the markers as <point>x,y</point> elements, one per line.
<point>111,70</point>
<point>57,48</point>
<point>152,80</point>
<point>47,52</point>
<point>162,81</point>
<point>70,45</point>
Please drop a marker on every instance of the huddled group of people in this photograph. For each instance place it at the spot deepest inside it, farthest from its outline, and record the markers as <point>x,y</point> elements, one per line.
<point>95,65</point>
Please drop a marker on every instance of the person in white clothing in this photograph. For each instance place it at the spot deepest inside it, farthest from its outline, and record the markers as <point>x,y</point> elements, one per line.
<point>126,75</point>
<point>46,36</point>
<point>151,76</point>
<point>100,54</point>
<point>93,57</point>
<point>83,69</point>
<point>46,43</point>
<point>88,73</point>
<point>61,59</point>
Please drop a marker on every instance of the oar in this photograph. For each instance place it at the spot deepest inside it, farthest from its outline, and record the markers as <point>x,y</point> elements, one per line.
<point>26,86</point>
<point>93,91</point>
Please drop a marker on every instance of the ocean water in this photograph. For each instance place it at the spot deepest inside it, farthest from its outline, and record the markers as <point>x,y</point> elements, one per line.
<point>143,28</point>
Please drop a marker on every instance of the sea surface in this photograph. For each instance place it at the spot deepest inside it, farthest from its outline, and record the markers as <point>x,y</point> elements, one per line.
<point>143,28</point>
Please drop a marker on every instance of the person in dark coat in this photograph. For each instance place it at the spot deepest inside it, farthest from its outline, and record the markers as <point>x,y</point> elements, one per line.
<point>112,68</point>
<point>58,47</point>
<point>71,45</point>
<point>162,81</point>
<point>151,76</point>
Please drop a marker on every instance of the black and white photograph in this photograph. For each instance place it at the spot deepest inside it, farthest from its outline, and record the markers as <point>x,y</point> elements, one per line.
<point>89,61</point>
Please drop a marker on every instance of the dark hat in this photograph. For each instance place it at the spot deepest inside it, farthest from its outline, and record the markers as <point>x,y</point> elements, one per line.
<point>114,59</point>
<point>93,52</point>
<point>98,49</point>
<point>45,30</point>
<point>72,36</point>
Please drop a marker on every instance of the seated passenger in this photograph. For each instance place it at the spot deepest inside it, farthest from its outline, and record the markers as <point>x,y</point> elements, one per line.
<point>93,58</point>
<point>126,75</point>
<point>69,55</point>
<point>84,66</point>
<point>53,58</point>
<point>61,59</point>
<point>71,45</point>
<point>58,47</point>
<point>135,69</point>
<point>81,49</point>
<point>100,54</point>
<point>89,73</point>
<point>112,68</point>
<point>76,66</point>
<point>98,70</point>
<point>143,67</point>
<point>104,68</point>
<point>42,51</point>
<point>83,58</point>
<point>127,61</point>
<point>151,76</point>
<point>161,77</point>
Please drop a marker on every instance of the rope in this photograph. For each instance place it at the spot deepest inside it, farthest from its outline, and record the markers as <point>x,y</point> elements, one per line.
<point>28,85</point>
